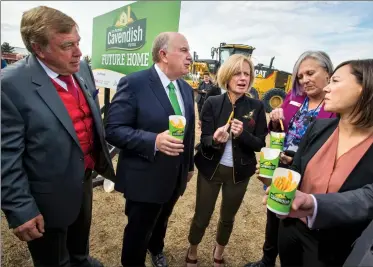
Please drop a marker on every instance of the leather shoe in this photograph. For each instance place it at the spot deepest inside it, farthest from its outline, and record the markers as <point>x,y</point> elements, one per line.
<point>94,262</point>
<point>257,264</point>
<point>158,260</point>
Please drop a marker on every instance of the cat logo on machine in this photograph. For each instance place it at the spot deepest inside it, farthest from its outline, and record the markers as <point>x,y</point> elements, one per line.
<point>127,33</point>
<point>260,73</point>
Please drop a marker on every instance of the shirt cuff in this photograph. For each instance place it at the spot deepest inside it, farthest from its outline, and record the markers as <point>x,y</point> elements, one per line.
<point>155,148</point>
<point>311,219</point>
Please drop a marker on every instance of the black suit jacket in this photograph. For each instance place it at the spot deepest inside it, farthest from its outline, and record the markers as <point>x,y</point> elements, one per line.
<point>215,114</point>
<point>138,112</point>
<point>42,166</point>
<point>334,244</point>
<point>202,86</point>
<point>215,90</point>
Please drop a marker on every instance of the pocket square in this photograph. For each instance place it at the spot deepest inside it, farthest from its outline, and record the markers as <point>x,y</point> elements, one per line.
<point>95,93</point>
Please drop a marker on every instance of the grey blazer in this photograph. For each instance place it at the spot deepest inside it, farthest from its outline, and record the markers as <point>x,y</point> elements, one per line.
<point>347,208</point>
<point>42,165</point>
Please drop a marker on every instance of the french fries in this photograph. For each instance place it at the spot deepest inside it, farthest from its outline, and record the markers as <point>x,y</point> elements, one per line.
<point>285,184</point>
<point>230,117</point>
<point>178,125</point>
<point>282,125</point>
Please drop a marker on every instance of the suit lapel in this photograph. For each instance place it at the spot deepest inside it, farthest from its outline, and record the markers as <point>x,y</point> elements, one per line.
<point>160,92</point>
<point>96,114</point>
<point>48,93</point>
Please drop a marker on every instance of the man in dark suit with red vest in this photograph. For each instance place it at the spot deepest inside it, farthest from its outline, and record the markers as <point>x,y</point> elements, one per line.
<point>51,140</point>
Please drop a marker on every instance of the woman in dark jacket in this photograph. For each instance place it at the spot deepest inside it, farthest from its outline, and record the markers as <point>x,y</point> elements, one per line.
<point>233,129</point>
<point>335,155</point>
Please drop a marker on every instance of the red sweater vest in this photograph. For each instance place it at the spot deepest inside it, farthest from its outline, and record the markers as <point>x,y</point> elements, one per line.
<point>81,116</point>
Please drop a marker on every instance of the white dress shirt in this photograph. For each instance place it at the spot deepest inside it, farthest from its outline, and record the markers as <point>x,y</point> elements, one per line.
<point>311,219</point>
<point>53,75</point>
<point>165,82</point>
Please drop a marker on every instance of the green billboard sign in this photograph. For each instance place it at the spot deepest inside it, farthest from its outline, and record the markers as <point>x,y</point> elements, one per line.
<point>122,39</point>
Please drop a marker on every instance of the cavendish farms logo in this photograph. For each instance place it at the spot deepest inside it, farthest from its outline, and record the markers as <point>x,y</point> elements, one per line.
<point>267,165</point>
<point>178,133</point>
<point>128,33</point>
<point>278,141</point>
<point>280,198</point>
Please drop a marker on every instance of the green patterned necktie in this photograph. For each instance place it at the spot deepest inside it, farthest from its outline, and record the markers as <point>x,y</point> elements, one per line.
<point>173,99</point>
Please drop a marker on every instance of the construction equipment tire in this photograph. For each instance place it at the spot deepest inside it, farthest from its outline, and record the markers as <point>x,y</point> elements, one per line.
<point>273,99</point>
<point>253,93</point>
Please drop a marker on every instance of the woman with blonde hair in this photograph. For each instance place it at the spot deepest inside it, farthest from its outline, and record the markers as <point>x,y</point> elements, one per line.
<point>233,129</point>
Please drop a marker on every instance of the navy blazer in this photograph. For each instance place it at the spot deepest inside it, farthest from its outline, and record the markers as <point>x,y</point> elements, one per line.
<point>138,112</point>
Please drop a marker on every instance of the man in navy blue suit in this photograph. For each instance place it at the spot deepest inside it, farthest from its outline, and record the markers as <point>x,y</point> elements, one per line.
<point>153,167</point>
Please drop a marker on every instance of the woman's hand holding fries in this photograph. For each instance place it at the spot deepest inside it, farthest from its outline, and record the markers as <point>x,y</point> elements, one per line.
<point>276,115</point>
<point>264,180</point>
<point>303,205</point>
<point>221,135</point>
<point>286,159</point>
<point>237,127</point>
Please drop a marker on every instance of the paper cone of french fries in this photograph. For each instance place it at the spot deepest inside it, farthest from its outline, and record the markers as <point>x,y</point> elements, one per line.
<point>277,140</point>
<point>177,126</point>
<point>282,192</point>
<point>269,159</point>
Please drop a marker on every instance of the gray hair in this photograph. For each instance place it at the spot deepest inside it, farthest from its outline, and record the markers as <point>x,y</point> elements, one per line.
<point>321,57</point>
<point>160,42</point>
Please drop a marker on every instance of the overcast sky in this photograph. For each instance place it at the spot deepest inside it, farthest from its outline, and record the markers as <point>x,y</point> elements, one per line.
<point>282,29</point>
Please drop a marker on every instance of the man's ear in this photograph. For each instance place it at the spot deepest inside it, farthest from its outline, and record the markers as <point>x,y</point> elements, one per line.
<point>38,50</point>
<point>163,56</point>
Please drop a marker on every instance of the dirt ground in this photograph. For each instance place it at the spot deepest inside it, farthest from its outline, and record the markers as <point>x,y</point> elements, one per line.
<point>108,223</point>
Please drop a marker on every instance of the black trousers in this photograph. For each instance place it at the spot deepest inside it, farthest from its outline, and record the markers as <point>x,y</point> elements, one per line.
<point>270,248</point>
<point>68,246</point>
<point>298,245</point>
<point>145,230</point>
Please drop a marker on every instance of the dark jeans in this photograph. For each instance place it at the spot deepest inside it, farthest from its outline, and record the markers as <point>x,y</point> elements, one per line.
<point>67,246</point>
<point>145,230</point>
<point>207,194</point>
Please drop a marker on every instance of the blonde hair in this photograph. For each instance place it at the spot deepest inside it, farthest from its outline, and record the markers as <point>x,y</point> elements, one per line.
<point>37,24</point>
<point>230,67</point>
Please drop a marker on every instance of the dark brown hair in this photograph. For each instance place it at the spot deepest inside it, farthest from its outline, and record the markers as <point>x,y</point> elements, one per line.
<point>362,113</point>
<point>37,23</point>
